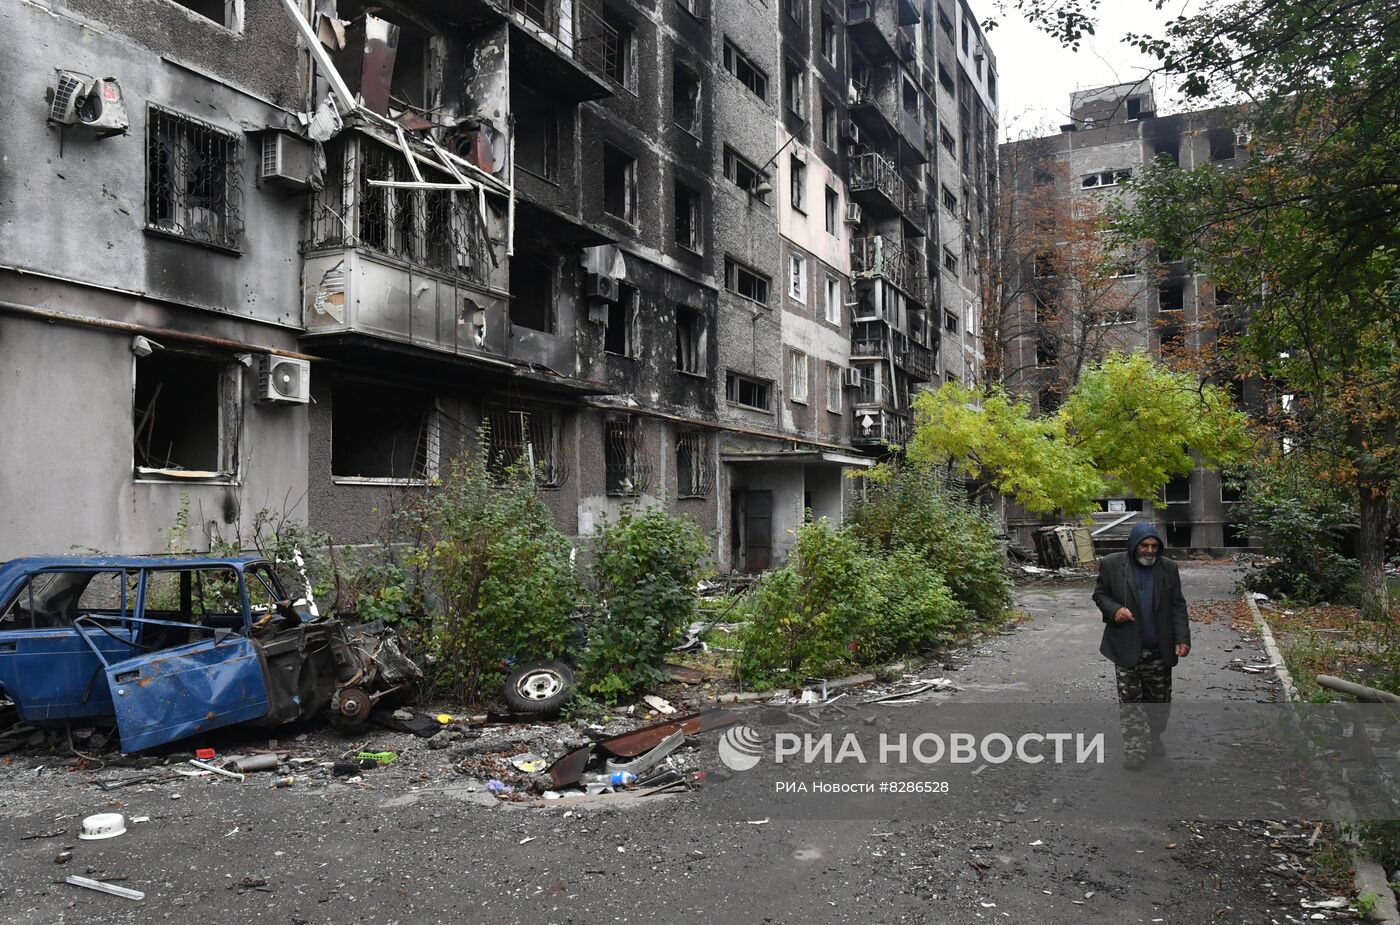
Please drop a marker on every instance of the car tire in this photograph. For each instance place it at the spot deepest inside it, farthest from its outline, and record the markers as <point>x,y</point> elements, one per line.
<point>539,687</point>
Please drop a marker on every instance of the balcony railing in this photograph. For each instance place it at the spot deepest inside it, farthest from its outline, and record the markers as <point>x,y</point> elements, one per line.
<point>872,173</point>
<point>582,34</point>
<point>879,427</point>
<point>916,359</point>
<point>886,257</point>
<point>439,230</point>
<point>876,340</point>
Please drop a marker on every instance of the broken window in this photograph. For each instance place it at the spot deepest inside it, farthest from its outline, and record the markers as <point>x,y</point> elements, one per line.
<point>1134,108</point>
<point>745,391</point>
<point>797,278</point>
<point>685,99</point>
<point>746,282</point>
<point>797,183</point>
<point>193,187</point>
<point>1044,265</point>
<point>1121,315</point>
<point>950,321</point>
<point>1047,351</point>
<point>623,457</point>
<point>49,600</point>
<point>833,212</point>
<point>828,123</point>
<point>623,336</point>
<point>1170,150</point>
<point>1177,490</point>
<point>828,38</point>
<point>833,300</point>
<point>793,88</point>
<point>869,389</point>
<point>688,218</point>
<point>222,12</point>
<point>382,432</point>
<point>205,597</point>
<point>945,80</point>
<point>1171,301</point>
<point>1222,145</point>
<point>1049,399</point>
<point>693,478</point>
<point>619,184</point>
<point>834,386</point>
<point>748,73</point>
<point>743,174</point>
<point>187,416</point>
<point>797,376</point>
<point>536,134</point>
<point>690,340</point>
<point>619,50</point>
<point>532,293</point>
<point>910,96</point>
<point>524,437</point>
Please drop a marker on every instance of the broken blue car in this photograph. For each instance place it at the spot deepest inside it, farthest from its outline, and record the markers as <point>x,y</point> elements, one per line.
<point>169,647</point>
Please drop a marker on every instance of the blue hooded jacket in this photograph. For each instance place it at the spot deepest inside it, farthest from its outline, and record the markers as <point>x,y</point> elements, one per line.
<point>1145,579</point>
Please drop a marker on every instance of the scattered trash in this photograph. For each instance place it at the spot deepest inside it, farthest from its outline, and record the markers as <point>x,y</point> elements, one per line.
<point>139,819</point>
<point>499,787</point>
<point>527,838</point>
<point>529,762</point>
<point>283,782</point>
<point>101,887</point>
<point>651,758</point>
<point>367,759</point>
<point>203,766</point>
<point>1337,902</point>
<point>251,763</point>
<point>63,857</point>
<point>102,825</point>
<point>205,754</point>
<point>402,716</point>
<point>444,718</point>
<point>617,779</point>
<point>763,821</point>
<point>658,704</point>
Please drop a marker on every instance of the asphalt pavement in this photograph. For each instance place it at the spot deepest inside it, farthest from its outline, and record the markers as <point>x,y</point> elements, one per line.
<point>433,849</point>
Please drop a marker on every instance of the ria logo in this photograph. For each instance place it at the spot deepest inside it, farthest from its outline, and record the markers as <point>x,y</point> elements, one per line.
<point>740,748</point>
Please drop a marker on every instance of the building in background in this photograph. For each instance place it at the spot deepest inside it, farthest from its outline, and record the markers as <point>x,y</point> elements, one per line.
<point>695,252</point>
<point>1064,312</point>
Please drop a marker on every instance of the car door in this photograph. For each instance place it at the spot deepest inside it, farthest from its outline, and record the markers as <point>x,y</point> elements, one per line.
<point>213,681</point>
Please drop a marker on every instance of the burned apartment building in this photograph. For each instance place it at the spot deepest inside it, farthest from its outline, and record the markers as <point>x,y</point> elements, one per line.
<point>291,256</point>
<point>1066,314</point>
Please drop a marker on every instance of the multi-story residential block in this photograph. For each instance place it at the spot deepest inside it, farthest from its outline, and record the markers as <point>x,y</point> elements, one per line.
<point>1066,312</point>
<point>686,252</point>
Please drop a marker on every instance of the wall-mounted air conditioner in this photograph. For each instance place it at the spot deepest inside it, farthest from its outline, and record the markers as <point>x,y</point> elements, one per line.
<point>286,161</point>
<point>89,103</point>
<point>600,287</point>
<point>852,377</point>
<point>849,132</point>
<point>283,379</point>
<point>852,213</point>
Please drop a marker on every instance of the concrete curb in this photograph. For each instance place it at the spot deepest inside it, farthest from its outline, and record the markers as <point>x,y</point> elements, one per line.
<point>1369,876</point>
<point>1271,649</point>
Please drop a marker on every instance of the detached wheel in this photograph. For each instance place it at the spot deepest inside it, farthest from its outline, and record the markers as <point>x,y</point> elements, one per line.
<point>539,687</point>
<point>350,707</point>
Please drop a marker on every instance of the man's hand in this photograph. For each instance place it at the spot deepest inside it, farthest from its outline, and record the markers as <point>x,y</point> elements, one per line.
<point>1182,650</point>
<point>1122,615</point>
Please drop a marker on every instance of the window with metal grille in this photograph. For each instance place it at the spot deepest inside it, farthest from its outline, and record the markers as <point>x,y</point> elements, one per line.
<point>527,438</point>
<point>693,476</point>
<point>193,180</point>
<point>624,469</point>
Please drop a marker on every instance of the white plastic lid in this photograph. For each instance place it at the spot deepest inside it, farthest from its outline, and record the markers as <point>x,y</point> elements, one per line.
<point>102,825</point>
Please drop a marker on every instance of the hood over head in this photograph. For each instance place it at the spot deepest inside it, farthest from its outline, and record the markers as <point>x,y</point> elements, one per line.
<point>1143,530</point>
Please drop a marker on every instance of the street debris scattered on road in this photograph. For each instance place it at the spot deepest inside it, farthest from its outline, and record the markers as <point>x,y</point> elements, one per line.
<point>101,887</point>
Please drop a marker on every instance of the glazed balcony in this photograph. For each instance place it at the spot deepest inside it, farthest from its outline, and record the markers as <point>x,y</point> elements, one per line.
<point>878,427</point>
<point>874,339</point>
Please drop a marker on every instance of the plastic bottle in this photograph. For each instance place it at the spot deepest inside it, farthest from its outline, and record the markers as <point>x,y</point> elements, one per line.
<point>616,778</point>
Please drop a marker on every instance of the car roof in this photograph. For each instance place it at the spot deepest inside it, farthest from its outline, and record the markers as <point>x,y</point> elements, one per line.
<point>14,571</point>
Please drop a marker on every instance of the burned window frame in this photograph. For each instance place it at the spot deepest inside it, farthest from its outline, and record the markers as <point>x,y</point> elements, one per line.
<point>228,426</point>
<point>626,469</point>
<point>170,135</point>
<point>627,162</point>
<point>687,108</point>
<point>692,342</point>
<point>733,161</point>
<point>694,474</point>
<point>427,454</point>
<point>734,384</point>
<point>754,78</point>
<point>530,433</point>
<point>626,312</point>
<point>689,207</point>
<point>542,122</point>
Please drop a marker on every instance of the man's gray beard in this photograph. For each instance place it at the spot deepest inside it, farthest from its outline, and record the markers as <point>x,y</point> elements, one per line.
<point>1147,561</point>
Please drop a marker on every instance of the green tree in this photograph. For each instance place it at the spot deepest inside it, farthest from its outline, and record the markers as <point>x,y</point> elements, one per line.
<point>1129,424</point>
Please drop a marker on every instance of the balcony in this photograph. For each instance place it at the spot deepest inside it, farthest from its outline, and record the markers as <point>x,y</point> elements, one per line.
<point>876,340</point>
<point>874,111</point>
<point>878,427</point>
<point>567,49</point>
<point>877,185</point>
<point>409,265</point>
<point>872,25</point>
<point>914,213</point>
<point>886,257</point>
<point>914,358</point>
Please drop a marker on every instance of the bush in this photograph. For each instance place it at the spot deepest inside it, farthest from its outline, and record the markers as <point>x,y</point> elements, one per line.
<point>919,611</point>
<point>645,567</point>
<point>501,578</point>
<point>1302,522</point>
<point>917,509</point>
<point>808,614</point>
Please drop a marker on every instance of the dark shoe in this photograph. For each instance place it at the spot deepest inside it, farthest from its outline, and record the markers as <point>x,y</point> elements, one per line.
<point>1134,763</point>
<point>1158,749</point>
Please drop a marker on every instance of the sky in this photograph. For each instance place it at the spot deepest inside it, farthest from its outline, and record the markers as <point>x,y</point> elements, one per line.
<point>1037,74</point>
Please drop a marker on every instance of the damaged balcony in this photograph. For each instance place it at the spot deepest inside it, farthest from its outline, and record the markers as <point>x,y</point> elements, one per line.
<point>885,257</point>
<point>878,427</point>
<point>402,262</point>
<point>565,49</point>
<point>873,26</point>
<point>874,111</point>
<point>875,339</point>
<point>877,186</point>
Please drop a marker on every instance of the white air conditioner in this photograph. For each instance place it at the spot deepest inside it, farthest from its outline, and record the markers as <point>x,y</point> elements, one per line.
<point>89,103</point>
<point>600,287</point>
<point>852,213</point>
<point>852,377</point>
<point>849,132</point>
<point>284,379</point>
<point>1243,138</point>
<point>286,160</point>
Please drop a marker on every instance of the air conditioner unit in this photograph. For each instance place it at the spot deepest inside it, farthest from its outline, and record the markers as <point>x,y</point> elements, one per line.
<point>286,160</point>
<point>852,377</point>
<point>600,287</point>
<point>283,379</point>
<point>853,213</point>
<point>89,103</point>
<point>849,132</point>
<point>1243,138</point>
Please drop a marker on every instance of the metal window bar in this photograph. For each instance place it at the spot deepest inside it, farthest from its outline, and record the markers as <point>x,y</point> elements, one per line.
<point>888,257</point>
<point>525,437</point>
<point>627,470</point>
<point>193,172</point>
<point>693,472</point>
<point>440,230</point>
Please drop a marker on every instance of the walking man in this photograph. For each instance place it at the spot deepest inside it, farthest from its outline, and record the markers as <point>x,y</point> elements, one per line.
<point>1145,631</point>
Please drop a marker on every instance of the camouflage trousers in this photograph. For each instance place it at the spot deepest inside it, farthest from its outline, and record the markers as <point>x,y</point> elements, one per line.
<point>1140,690</point>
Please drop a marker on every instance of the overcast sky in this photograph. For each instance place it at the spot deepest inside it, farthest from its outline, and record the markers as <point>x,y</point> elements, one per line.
<point>1037,74</point>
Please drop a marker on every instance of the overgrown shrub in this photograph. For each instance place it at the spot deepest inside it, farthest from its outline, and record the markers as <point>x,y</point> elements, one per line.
<point>917,509</point>
<point>500,577</point>
<point>809,613</point>
<point>645,565</point>
<point>1302,522</point>
<point>919,611</point>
